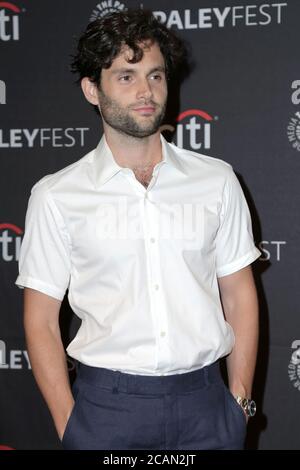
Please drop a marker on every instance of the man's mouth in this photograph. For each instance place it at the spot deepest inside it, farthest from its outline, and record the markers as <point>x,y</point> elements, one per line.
<point>145,109</point>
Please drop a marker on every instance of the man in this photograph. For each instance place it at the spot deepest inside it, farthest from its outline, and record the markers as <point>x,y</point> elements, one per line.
<point>154,244</point>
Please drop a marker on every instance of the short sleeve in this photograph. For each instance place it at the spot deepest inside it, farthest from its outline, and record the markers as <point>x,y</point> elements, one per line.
<point>235,248</point>
<point>44,262</point>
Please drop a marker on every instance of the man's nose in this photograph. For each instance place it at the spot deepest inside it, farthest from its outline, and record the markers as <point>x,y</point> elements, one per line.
<point>144,89</point>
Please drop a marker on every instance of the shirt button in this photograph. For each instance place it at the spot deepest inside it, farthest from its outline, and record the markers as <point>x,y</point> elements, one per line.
<point>152,240</point>
<point>162,334</point>
<point>156,287</point>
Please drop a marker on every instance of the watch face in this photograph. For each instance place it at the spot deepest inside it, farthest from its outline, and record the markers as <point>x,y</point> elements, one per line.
<point>252,408</point>
<point>244,403</point>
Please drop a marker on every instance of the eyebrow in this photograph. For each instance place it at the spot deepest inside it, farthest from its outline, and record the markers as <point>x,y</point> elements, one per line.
<point>159,68</point>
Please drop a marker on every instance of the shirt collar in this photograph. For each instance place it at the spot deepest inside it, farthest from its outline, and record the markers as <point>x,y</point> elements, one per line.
<point>105,165</point>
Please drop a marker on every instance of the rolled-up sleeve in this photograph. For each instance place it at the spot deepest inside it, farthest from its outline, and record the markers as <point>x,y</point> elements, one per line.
<point>235,248</point>
<point>44,262</point>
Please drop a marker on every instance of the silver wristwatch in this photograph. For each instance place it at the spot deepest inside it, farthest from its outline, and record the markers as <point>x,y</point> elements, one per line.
<point>248,405</point>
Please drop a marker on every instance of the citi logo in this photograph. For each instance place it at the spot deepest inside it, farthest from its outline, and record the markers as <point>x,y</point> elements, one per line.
<point>10,242</point>
<point>105,7</point>
<point>9,22</point>
<point>193,129</point>
<point>2,92</point>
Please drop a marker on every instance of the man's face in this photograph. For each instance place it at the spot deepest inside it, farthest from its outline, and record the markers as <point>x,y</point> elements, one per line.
<point>132,97</point>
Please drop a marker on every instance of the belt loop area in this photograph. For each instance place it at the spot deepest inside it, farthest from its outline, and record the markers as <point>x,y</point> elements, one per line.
<point>76,365</point>
<point>116,382</point>
<point>206,376</point>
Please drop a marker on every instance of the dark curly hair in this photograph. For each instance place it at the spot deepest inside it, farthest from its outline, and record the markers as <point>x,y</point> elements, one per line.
<point>103,39</point>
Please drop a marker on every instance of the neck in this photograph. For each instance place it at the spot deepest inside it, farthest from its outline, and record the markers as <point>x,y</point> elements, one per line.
<point>131,152</point>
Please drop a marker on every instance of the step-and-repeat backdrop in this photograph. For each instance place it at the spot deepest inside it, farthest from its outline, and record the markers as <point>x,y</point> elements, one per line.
<point>241,103</point>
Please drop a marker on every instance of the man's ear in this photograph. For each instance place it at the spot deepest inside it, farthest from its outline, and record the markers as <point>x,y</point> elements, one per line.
<point>90,91</point>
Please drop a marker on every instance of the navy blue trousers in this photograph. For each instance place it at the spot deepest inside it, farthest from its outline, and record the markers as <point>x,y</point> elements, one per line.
<point>115,410</point>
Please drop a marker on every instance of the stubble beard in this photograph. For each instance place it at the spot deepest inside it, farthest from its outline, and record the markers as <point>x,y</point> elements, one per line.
<point>120,119</point>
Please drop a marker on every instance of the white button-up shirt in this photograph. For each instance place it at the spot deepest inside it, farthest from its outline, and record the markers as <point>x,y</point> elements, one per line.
<point>140,265</point>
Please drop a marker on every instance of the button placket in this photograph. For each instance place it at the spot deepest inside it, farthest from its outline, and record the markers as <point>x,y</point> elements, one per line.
<point>159,312</point>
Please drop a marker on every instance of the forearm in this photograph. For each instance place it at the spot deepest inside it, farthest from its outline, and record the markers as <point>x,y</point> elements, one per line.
<point>243,317</point>
<point>48,361</point>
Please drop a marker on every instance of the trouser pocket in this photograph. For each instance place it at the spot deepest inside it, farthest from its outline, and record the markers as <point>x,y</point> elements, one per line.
<point>72,418</point>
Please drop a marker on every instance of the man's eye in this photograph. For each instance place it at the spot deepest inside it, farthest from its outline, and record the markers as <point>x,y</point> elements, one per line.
<point>156,77</point>
<point>125,78</point>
